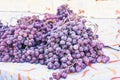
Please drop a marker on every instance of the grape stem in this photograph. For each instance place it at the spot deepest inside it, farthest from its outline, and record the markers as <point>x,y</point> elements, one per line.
<point>95,26</point>
<point>106,46</point>
<point>47,21</point>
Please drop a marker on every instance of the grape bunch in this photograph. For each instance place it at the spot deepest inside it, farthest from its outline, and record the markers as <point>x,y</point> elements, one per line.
<point>16,40</point>
<point>59,41</point>
<point>63,12</point>
<point>72,47</point>
<point>29,32</point>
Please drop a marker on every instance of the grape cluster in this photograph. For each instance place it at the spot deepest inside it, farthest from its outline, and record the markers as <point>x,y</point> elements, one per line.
<point>16,41</point>
<point>72,47</point>
<point>63,12</point>
<point>59,41</point>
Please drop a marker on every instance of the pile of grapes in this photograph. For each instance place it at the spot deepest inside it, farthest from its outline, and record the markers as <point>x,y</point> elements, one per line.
<point>59,41</point>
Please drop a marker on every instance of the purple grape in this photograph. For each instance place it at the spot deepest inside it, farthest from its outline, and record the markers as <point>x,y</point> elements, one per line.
<point>69,39</point>
<point>84,21</point>
<point>64,59</point>
<point>41,56</point>
<point>63,37</point>
<point>105,59</point>
<point>50,65</point>
<point>70,58</point>
<point>81,49</point>
<point>86,60</point>
<point>79,62</point>
<point>77,68</point>
<point>78,55</point>
<point>57,64</point>
<point>83,65</point>
<point>50,54</point>
<point>88,54</point>
<point>42,62</point>
<point>72,69</point>
<point>82,54</point>
<point>50,78</point>
<point>56,75</point>
<point>62,42</point>
<point>76,47</point>
<point>64,75</point>
<point>99,59</point>
<point>63,65</point>
<point>5,58</point>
